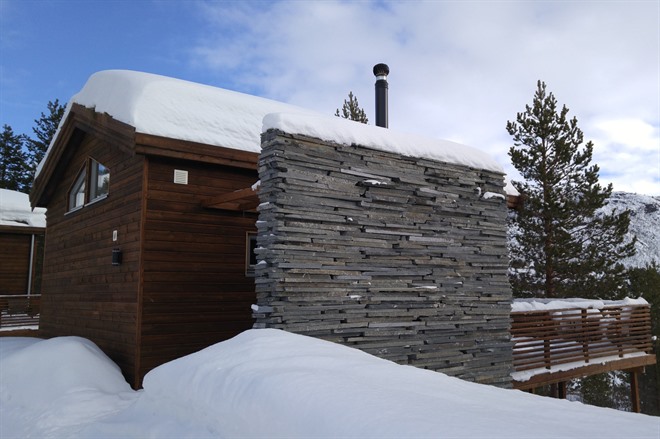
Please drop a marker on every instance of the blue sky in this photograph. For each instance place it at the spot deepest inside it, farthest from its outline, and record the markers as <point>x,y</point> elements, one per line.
<point>459,70</point>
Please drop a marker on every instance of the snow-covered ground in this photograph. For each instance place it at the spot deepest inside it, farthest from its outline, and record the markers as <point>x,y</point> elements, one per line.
<point>272,384</point>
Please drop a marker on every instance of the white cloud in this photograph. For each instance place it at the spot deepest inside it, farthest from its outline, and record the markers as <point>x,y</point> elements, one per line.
<point>628,152</point>
<point>459,70</point>
<point>632,132</point>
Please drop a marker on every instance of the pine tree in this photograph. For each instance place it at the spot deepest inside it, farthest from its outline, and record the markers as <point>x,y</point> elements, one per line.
<point>44,130</point>
<point>351,110</point>
<point>561,246</point>
<point>13,161</point>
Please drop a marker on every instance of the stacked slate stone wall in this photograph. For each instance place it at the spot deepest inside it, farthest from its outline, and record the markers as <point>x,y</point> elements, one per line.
<point>404,258</point>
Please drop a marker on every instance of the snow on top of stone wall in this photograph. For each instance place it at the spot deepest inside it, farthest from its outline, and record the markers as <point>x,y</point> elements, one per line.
<point>348,132</point>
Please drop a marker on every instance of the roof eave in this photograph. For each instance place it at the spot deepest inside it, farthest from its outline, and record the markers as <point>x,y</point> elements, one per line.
<point>79,122</point>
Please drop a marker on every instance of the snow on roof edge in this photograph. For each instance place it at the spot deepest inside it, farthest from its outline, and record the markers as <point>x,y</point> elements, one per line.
<point>176,108</point>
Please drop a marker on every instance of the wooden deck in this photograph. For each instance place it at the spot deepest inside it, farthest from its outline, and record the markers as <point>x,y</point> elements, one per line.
<point>19,313</point>
<point>554,346</point>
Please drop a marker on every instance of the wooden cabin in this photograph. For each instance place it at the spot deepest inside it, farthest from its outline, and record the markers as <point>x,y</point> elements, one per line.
<point>21,258</point>
<point>21,241</point>
<point>148,246</point>
<point>152,233</point>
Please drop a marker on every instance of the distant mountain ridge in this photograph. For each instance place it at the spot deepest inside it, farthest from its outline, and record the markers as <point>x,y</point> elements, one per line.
<point>644,223</point>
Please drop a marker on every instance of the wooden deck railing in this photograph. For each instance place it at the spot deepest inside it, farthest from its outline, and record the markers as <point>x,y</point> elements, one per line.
<point>19,312</point>
<point>550,338</point>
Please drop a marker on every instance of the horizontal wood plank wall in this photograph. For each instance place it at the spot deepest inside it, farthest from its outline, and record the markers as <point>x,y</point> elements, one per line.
<point>82,292</point>
<point>195,291</point>
<point>404,258</point>
<point>14,262</point>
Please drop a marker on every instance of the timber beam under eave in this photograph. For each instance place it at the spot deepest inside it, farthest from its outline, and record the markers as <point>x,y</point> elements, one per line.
<point>240,200</point>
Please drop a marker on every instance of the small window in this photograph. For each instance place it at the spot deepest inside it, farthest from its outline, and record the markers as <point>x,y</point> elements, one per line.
<point>77,192</point>
<point>99,180</point>
<point>91,184</point>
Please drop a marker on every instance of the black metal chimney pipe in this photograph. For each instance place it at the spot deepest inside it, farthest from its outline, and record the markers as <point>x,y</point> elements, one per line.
<point>381,71</point>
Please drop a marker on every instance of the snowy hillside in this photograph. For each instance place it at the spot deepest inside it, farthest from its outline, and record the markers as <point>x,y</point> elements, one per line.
<point>644,223</point>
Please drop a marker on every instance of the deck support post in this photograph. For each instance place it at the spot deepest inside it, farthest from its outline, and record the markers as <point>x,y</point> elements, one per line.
<point>558,390</point>
<point>561,387</point>
<point>634,391</point>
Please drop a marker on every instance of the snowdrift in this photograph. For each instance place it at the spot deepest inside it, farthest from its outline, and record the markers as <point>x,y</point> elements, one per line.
<point>269,383</point>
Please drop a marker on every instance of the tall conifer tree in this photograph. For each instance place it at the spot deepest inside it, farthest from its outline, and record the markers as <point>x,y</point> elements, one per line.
<point>44,130</point>
<point>351,110</point>
<point>14,173</point>
<point>561,246</point>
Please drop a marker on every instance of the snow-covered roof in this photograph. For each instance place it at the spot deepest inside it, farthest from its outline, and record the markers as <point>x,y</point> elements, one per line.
<point>509,189</point>
<point>179,109</point>
<point>15,210</point>
<point>184,110</point>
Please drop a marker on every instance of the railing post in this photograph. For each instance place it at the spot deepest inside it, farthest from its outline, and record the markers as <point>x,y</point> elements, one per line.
<point>619,333</point>
<point>561,389</point>
<point>546,352</point>
<point>585,339</point>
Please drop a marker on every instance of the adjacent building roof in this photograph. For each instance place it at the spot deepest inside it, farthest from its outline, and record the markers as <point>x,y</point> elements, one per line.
<point>15,210</point>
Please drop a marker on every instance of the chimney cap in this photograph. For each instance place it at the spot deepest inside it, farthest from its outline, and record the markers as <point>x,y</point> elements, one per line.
<point>381,70</point>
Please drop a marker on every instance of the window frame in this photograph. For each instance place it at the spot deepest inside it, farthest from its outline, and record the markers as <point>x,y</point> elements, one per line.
<point>88,174</point>
<point>74,192</point>
<point>94,166</point>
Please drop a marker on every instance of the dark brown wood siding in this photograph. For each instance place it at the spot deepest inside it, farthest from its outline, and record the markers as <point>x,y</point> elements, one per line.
<point>82,292</point>
<point>195,290</point>
<point>15,262</point>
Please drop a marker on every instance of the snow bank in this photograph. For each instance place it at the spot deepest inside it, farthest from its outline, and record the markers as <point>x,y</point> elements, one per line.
<point>52,388</point>
<point>44,371</point>
<point>270,383</point>
<point>15,210</point>
<point>9,345</point>
<point>267,383</point>
<point>184,110</point>
<point>520,305</point>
